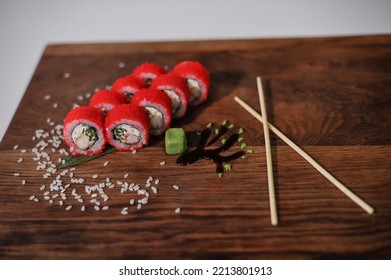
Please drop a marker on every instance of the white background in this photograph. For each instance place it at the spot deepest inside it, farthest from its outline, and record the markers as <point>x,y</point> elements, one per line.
<point>26,27</point>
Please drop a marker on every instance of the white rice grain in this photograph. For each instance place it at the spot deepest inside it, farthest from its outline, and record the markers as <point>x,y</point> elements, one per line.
<point>55,105</point>
<point>16,146</point>
<point>46,97</point>
<point>95,176</point>
<point>17,174</point>
<point>23,182</point>
<point>131,202</point>
<point>83,208</point>
<point>126,175</point>
<point>32,197</point>
<point>106,163</point>
<point>157,181</point>
<point>176,187</point>
<point>96,207</point>
<point>105,208</point>
<point>67,75</point>
<point>121,64</point>
<point>162,163</point>
<point>69,207</point>
<point>177,210</point>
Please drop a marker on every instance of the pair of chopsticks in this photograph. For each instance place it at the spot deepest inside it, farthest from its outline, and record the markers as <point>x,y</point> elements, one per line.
<point>266,126</point>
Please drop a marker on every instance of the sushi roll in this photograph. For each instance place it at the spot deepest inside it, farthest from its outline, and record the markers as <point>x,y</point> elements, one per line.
<point>129,85</point>
<point>84,131</point>
<point>158,106</point>
<point>198,80</point>
<point>107,100</point>
<point>176,88</point>
<point>149,71</point>
<point>127,127</point>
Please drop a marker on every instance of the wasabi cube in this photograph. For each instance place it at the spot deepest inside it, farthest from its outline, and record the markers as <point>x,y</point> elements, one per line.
<point>175,141</point>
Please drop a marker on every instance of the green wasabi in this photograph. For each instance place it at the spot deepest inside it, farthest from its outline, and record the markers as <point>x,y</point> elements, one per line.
<point>175,141</point>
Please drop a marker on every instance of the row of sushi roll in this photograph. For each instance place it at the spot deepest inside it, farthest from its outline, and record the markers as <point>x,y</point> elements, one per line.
<point>136,107</point>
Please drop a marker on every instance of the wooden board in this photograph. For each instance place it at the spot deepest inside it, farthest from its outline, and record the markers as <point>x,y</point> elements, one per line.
<point>332,96</point>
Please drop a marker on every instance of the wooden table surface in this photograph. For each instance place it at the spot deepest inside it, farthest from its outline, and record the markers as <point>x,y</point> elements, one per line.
<point>331,96</point>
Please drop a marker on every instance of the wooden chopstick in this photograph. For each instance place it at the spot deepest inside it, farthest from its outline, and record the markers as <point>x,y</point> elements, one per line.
<point>365,206</point>
<point>269,164</point>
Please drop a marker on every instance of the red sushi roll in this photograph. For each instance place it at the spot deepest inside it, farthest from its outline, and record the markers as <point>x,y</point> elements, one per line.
<point>176,88</point>
<point>158,106</point>
<point>107,99</point>
<point>127,127</point>
<point>149,71</point>
<point>198,80</point>
<point>84,131</point>
<point>129,85</point>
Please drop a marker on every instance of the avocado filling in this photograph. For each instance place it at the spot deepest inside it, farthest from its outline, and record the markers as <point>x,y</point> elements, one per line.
<point>84,136</point>
<point>126,134</point>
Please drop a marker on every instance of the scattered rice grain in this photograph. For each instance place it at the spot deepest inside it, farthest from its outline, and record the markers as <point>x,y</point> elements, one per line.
<point>106,163</point>
<point>69,207</point>
<point>177,210</point>
<point>16,146</point>
<point>162,163</point>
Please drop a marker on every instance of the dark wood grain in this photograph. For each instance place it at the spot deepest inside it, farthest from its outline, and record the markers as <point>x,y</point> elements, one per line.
<point>332,96</point>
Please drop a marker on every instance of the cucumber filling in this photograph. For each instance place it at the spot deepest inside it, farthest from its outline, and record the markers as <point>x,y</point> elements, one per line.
<point>84,136</point>
<point>126,134</point>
